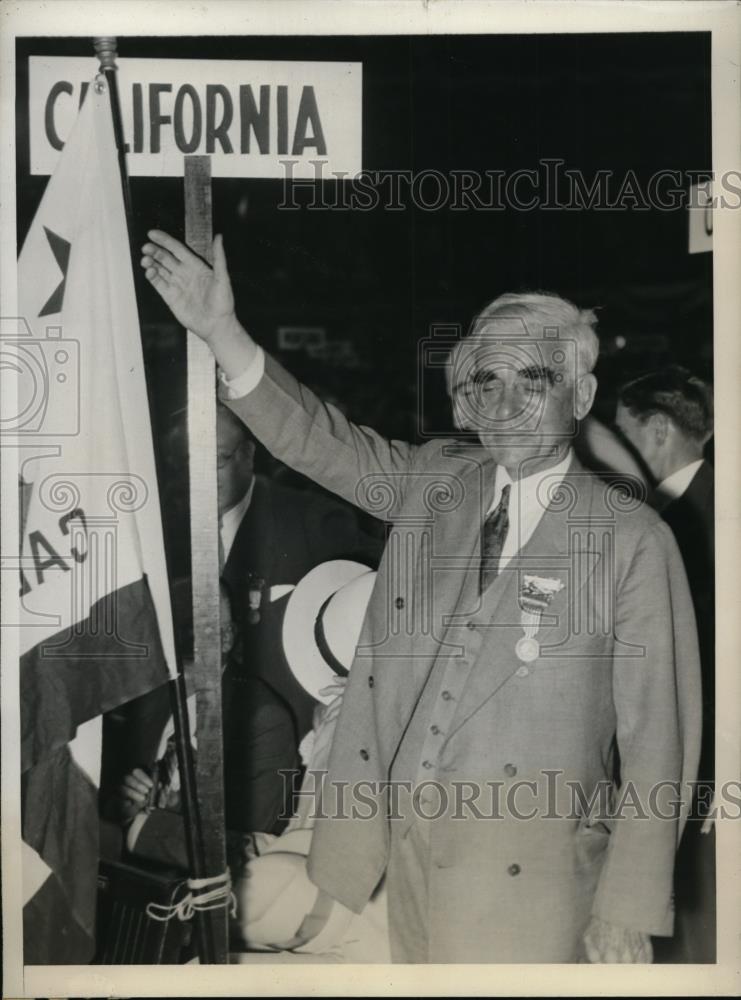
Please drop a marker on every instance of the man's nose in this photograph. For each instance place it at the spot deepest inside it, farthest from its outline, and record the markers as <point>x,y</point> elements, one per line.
<point>507,403</point>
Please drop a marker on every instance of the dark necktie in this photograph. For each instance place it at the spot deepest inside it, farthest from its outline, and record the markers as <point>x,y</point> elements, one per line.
<point>494,534</point>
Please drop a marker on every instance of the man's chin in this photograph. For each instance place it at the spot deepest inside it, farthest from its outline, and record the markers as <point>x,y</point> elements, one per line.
<point>500,448</point>
<point>513,454</point>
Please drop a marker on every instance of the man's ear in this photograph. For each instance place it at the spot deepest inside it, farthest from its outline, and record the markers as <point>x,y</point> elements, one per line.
<point>660,427</point>
<point>585,389</point>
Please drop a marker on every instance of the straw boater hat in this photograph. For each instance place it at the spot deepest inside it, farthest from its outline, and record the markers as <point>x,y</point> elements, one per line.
<point>322,622</point>
<point>276,895</point>
<point>321,627</point>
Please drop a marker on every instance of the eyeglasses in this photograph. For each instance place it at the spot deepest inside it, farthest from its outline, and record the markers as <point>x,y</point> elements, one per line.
<point>223,458</point>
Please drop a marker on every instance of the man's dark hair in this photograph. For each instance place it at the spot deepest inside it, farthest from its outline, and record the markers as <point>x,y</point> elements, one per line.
<point>675,391</point>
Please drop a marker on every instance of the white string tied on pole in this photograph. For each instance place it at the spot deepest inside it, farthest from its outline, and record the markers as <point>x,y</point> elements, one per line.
<point>203,894</point>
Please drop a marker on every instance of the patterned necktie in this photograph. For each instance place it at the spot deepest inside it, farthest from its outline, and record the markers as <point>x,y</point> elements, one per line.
<point>494,534</point>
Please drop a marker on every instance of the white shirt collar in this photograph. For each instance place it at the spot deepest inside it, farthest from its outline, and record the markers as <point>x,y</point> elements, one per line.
<point>675,485</point>
<point>528,487</point>
<point>527,503</point>
<point>231,519</point>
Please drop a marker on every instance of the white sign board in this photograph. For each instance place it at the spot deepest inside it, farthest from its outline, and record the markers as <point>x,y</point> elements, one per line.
<point>254,119</point>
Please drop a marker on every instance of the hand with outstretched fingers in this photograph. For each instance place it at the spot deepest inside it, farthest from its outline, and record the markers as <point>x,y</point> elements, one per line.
<point>199,296</point>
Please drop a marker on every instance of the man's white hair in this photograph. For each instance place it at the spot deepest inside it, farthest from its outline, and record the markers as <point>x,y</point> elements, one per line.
<point>540,313</point>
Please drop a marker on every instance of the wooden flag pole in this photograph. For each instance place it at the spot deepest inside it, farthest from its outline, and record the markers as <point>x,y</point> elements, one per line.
<point>205,859</point>
<point>204,520</point>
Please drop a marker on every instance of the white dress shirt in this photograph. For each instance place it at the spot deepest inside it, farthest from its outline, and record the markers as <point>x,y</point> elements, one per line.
<point>675,485</point>
<point>231,519</point>
<point>528,500</point>
<point>248,380</point>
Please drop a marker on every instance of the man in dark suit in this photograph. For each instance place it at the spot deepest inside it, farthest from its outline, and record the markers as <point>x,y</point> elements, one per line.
<point>270,537</point>
<point>668,417</point>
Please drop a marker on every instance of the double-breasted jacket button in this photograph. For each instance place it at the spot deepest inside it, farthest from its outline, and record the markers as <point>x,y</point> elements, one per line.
<point>371,681</point>
<point>446,695</point>
<point>399,602</point>
<point>514,869</point>
<point>471,626</point>
<point>427,764</point>
<point>510,770</point>
<point>434,730</point>
<point>365,755</point>
<point>522,671</point>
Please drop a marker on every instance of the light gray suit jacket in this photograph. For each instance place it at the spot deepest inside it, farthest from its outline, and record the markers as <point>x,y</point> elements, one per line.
<point>618,668</point>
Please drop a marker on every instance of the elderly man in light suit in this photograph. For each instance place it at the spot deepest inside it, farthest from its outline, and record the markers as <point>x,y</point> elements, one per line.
<point>529,644</point>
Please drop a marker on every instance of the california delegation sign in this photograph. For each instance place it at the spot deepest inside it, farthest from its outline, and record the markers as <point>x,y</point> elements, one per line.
<point>254,119</point>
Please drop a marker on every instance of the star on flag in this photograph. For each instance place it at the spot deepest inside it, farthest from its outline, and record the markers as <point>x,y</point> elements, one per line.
<point>60,248</point>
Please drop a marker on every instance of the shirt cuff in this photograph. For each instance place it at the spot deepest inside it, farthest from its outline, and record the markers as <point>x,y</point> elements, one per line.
<point>248,380</point>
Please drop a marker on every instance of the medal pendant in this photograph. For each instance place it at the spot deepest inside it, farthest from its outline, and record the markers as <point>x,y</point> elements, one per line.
<point>527,649</point>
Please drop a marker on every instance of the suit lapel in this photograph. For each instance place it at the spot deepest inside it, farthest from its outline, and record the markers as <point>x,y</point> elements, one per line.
<point>253,541</point>
<point>456,553</point>
<point>443,577</point>
<point>447,577</point>
<point>547,554</point>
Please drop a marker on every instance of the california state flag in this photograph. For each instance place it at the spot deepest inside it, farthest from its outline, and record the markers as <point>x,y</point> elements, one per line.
<point>96,627</point>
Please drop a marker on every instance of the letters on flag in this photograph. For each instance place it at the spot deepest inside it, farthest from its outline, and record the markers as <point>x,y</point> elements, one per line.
<point>95,621</point>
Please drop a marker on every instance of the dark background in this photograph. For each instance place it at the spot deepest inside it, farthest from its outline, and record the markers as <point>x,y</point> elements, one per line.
<point>381,278</point>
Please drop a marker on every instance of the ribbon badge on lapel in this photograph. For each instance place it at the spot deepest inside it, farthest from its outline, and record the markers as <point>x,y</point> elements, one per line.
<point>255,588</point>
<point>536,593</point>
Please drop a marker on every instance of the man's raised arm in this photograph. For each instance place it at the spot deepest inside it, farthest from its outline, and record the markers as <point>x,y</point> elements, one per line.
<point>295,425</point>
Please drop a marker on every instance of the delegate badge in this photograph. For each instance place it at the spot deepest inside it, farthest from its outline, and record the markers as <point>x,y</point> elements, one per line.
<point>536,594</point>
<point>255,587</point>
